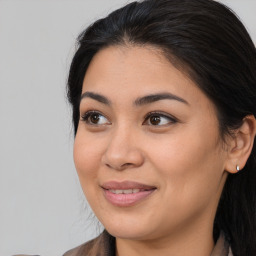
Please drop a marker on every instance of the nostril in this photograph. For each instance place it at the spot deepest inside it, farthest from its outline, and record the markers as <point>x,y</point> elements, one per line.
<point>108,165</point>
<point>126,164</point>
<point>119,167</point>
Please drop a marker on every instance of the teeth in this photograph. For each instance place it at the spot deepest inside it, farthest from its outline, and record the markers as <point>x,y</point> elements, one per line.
<point>124,191</point>
<point>127,191</point>
<point>118,191</point>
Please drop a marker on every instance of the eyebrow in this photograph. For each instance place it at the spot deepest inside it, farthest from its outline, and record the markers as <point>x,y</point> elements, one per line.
<point>138,102</point>
<point>156,97</point>
<point>96,96</point>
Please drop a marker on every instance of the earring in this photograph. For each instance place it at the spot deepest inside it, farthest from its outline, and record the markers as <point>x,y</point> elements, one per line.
<point>237,168</point>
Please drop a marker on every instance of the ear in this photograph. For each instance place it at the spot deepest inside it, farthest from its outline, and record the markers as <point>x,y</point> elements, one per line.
<point>240,145</point>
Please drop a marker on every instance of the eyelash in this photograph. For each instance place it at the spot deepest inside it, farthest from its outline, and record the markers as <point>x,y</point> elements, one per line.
<point>171,119</point>
<point>88,114</point>
<point>86,118</point>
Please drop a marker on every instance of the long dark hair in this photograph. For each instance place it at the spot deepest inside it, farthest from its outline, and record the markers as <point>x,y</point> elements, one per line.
<point>207,41</point>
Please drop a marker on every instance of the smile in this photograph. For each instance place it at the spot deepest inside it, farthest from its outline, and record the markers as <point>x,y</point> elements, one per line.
<point>125,194</point>
<point>125,191</point>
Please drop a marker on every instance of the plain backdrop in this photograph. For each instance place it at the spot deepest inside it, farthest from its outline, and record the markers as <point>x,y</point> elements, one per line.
<point>42,207</point>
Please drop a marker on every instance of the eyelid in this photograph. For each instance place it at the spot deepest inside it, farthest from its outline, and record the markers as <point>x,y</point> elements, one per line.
<point>161,114</point>
<point>87,114</point>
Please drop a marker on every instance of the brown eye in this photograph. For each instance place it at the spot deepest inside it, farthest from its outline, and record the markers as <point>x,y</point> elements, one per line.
<point>95,118</point>
<point>155,120</point>
<point>159,119</point>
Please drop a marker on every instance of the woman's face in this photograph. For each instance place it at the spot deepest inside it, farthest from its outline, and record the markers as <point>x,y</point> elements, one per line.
<point>147,151</point>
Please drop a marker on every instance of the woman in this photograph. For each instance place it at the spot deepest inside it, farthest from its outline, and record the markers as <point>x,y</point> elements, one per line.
<point>163,95</point>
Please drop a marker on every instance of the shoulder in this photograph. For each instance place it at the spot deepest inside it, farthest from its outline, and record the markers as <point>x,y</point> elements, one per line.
<point>81,249</point>
<point>103,245</point>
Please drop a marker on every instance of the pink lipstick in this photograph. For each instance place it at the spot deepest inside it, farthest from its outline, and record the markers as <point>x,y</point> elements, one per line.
<point>126,193</point>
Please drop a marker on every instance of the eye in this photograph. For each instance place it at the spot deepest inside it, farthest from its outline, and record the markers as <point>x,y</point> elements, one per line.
<point>94,118</point>
<point>158,119</point>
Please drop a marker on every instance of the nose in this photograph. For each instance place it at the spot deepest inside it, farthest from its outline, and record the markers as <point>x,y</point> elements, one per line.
<point>122,151</point>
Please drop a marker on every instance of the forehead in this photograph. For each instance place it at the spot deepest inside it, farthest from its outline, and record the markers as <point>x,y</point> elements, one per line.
<point>125,72</point>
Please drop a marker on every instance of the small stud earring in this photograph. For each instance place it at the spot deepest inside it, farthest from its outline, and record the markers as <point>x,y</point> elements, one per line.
<point>237,168</point>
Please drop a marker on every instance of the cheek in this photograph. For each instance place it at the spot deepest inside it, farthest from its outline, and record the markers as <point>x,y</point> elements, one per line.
<point>190,166</point>
<point>87,159</point>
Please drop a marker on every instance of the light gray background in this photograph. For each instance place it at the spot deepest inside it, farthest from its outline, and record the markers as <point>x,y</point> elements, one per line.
<point>42,209</point>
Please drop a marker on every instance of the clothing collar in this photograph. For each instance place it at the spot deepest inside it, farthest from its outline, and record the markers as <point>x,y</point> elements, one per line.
<point>104,245</point>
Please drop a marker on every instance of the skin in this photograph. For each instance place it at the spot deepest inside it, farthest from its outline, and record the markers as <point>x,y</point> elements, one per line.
<point>183,157</point>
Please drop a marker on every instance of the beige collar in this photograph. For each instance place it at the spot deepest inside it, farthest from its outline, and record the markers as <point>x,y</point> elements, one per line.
<point>104,245</point>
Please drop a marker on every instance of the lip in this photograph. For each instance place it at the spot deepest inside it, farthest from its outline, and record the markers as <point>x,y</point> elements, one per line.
<point>126,185</point>
<point>126,200</point>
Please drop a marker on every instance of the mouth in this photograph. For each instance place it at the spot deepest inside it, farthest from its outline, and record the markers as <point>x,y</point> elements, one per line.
<point>127,193</point>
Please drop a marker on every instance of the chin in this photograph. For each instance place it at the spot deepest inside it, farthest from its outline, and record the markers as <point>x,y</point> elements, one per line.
<point>131,233</point>
<point>129,229</point>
